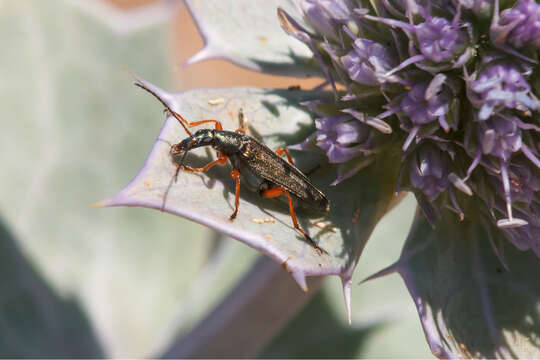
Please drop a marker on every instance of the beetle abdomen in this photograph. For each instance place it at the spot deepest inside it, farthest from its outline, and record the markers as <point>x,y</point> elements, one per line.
<point>259,165</point>
<point>269,166</point>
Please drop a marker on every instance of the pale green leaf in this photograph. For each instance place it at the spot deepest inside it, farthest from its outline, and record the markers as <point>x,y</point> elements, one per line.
<point>469,304</point>
<point>73,130</point>
<point>276,117</point>
<point>250,36</point>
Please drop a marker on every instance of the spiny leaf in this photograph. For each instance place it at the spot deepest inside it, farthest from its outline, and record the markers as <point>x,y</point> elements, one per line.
<point>263,224</point>
<point>251,37</point>
<point>469,304</point>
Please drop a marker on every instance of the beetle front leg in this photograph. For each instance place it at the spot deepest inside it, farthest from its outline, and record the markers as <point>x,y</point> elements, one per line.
<point>185,124</point>
<point>275,192</point>
<point>221,160</point>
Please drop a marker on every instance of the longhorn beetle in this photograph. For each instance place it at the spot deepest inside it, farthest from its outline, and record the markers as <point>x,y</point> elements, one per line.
<point>261,169</point>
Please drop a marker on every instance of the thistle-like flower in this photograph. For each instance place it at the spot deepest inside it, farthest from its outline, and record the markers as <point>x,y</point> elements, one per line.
<point>437,98</point>
<point>518,26</point>
<point>341,137</point>
<point>454,80</point>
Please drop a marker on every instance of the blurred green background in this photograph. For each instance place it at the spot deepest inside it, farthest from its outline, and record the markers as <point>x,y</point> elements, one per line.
<point>123,282</point>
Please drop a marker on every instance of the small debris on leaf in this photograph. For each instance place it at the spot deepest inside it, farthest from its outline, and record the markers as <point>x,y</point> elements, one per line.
<point>263,221</point>
<point>216,101</point>
<point>324,226</point>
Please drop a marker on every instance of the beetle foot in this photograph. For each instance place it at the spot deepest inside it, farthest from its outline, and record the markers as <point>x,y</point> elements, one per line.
<point>314,245</point>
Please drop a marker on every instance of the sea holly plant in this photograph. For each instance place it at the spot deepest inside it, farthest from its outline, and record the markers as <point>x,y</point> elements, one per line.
<point>436,98</point>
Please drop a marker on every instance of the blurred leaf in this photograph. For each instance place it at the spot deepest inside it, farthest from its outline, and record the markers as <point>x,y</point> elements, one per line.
<point>125,17</point>
<point>317,332</point>
<point>257,309</point>
<point>227,263</point>
<point>34,321</point>
<point>73,129</point>
<point>384,305</point>
<point>251,37</point>
<point>381,311</point>
<point>209,198</point>
<point>469,304</point>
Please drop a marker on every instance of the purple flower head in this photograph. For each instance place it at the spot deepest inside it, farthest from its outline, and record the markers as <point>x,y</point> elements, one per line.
<point>500,137</point>
<point>523,182</point>
<point>481,8</point>
<point>326,16</point>
<point>422,106</point>
<point>429,171</point>
<point>342,137</point>
<point>500,86</point>
<point>403,8</point>
<point>368,62</point>
<point>440,40</point>
<point>519,26</point>
<point>441,44</point>
<point>459,121</point>
<point>528,236</point>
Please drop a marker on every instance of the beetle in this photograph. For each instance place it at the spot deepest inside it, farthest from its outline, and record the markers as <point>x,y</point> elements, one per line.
<point>254,165</point>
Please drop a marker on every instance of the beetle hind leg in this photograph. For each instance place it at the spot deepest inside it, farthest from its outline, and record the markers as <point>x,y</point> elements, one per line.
<point>235,174</point>
<point>283,150</point>
<point>275,192</point>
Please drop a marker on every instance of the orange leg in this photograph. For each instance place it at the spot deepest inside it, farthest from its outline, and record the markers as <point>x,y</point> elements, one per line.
<point>280,152</point>
<point>275,192</point>
<point>242,121</point>
<point>235,174</point>
<point>185,124</point>
<point>221,160</point>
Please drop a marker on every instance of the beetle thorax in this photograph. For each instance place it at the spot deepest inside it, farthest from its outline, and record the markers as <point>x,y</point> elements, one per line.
<point>227,142</point>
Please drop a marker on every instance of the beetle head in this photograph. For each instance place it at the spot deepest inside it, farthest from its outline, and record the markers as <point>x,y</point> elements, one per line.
<point>203,137</point>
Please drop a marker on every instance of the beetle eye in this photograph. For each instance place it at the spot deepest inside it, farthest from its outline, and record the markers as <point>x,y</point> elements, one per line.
<point>176,149</point>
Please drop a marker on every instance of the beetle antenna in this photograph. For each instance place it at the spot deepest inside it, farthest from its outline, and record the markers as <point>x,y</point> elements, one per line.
<point>142,86</point>
<point>181,162</point>
<point>168,110</point>
<point>165,141</point>
<point>166,193</point>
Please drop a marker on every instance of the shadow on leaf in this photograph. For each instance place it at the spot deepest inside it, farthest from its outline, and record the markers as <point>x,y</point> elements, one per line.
<point>471,305</point>
<point>317,332</point>
<point>34,321</point>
